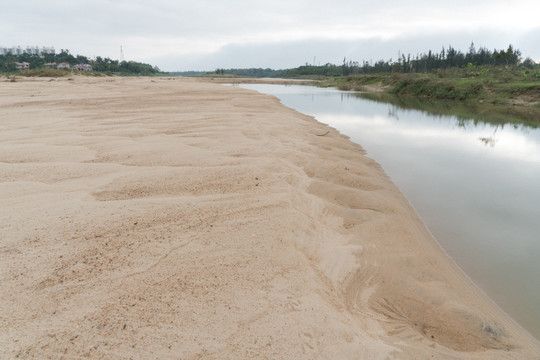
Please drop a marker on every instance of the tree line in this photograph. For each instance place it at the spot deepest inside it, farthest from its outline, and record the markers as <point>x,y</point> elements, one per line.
<point>424,62</point>
<point>105,65</point>
<point>446,58</point>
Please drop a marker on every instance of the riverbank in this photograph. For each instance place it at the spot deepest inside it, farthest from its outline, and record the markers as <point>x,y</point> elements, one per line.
<point>493,94</point>
<point>148,217</point>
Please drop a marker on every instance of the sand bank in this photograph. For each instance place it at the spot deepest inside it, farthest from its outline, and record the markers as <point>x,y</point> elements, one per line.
<point>177,219</point>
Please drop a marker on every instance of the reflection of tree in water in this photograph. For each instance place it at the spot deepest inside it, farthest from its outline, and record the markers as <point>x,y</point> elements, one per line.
<point>487,140</point>
<point>479,113</point>
<point>490,140</point>
<point>393,112</point>
<point>462,123</point>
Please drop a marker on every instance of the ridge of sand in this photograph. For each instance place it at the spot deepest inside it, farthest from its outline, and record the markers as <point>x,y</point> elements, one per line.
<point>171,218</point>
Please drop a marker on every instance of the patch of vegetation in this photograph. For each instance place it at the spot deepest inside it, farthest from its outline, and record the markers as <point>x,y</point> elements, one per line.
<point>8,64</point>
<point>438,89</point>
<point>55,73</point>
<point>45,72</point>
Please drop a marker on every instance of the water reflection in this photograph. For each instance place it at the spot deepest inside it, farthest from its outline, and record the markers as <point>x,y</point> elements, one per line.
<point>487,113</point>
<point>475,184</point>
<point>490,140</point>
<point>393,112</point>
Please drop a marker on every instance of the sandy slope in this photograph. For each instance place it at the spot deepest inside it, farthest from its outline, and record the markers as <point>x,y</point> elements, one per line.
<point>175,219</point>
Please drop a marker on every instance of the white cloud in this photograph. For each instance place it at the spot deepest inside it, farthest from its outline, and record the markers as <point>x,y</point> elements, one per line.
<point>159,29</point>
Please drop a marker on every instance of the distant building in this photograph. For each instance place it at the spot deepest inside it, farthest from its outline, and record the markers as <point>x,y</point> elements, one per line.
<point>47,50</point>
<point>50,65</point>
<point>63,66</point>
<point>82,67</point>
<point>33,50</point>
<point>13,50</point>
<point>22,65</point>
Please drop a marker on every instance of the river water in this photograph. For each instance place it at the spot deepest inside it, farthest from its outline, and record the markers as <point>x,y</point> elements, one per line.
<point>475,185</point>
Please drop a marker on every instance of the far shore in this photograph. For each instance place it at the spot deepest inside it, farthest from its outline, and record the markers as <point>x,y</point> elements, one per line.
<point>251,80</point>
<point>498,102</point>
<point>165,217</point>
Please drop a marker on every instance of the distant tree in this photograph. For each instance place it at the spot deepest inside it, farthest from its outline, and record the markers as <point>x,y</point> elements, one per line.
<point>528,63</point>
<point>471,57</point>
<point>508,57</point>
<point>7,62</point>
<point>82,59</point>
<point>65,56</point>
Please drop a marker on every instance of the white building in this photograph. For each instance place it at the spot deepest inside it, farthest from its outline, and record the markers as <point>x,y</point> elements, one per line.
<point>82,67</point>
<point>33,50</point>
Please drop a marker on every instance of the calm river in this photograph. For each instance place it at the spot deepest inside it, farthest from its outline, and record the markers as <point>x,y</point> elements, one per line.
<point>476,186</point>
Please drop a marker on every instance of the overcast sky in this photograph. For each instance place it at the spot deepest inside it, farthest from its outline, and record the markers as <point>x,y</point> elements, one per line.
<point>207,34</point>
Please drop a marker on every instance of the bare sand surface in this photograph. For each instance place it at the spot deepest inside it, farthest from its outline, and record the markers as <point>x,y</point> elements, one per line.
<point>147,218</point>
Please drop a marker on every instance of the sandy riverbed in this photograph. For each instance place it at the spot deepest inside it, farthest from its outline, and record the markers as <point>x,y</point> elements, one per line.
<point>153,218</point>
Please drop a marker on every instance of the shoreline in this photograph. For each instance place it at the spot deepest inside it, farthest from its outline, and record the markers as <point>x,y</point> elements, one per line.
<point>173,217</point>
<point>516,108</point>
<point>523,314</point>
